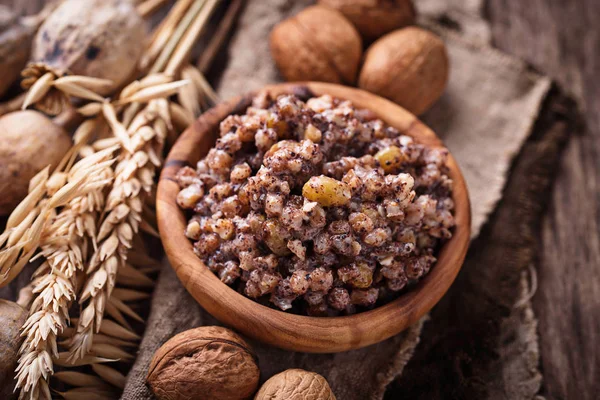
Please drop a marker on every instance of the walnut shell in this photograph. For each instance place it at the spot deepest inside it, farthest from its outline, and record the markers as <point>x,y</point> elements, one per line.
<point>408,66</point>
<point>211,362</point>
<point>374,18</point>
<point>96,38</point>
<point>318,44</point>
<point>12,318</point>
<point>295,384</point>
<point>30,142</point>
<point>15,44</point>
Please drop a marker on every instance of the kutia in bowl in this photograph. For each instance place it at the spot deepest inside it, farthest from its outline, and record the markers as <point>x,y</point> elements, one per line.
<point>354,270</point>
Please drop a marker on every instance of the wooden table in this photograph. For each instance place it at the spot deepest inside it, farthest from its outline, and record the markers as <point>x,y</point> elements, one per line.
<point>561,38</point>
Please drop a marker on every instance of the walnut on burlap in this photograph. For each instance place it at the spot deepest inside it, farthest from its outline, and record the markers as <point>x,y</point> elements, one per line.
<point>484,118</point>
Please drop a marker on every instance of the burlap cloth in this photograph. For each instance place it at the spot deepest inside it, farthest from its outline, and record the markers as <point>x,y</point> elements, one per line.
<point>484,117</point>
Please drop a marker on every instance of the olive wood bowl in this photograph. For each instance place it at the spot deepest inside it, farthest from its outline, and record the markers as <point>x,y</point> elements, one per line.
<point>286,330</point>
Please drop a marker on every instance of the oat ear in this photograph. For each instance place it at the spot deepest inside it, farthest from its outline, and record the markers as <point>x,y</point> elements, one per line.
<point>90,110</point>
<point>38,90</point>
<point>64,361</point>
<point>111,328</point>
<point>129,294</point>
<point>73,89</point>
<point>96,85</point>
<point>125,309</point>
<point>110,375</point>
<point>110,351</point>
<point>78,379</point>
<point>154,92</point>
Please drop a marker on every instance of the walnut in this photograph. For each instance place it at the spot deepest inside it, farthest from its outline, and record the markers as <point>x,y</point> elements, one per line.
<point>210,361</point>
<point>295,384</point>
<point>318,44</point>
<point>374,18</point>
<point>12,318</point>
<point>25,150</point>
<point>408,66</point>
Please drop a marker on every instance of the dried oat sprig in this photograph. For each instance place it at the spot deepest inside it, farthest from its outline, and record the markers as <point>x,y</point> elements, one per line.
<point>165,34</point>
<point>219,37</point>
<point>148,7</point>
<point>134,179</point>
<point>64,245</point>
<point>199,95</point>
<point>52,92</point>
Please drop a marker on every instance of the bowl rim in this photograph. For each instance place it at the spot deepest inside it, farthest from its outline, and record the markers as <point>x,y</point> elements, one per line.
<point>292,331</point>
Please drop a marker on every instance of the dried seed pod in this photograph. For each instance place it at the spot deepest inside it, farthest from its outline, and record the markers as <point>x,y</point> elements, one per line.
<point>408,66</point>
<point>318,44</point>
<point>16,35</point>
<point>295,384</point>
<point>25,150</point>
<point>374,18</point>
<point>95,38</point>
<point>210,361</point>
<point>12,318</point>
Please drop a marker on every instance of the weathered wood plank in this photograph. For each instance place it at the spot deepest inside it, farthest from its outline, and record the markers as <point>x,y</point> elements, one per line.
<point>562,39</point>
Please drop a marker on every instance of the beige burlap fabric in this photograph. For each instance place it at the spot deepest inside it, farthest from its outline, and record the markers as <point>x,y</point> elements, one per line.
<point>484,118</point>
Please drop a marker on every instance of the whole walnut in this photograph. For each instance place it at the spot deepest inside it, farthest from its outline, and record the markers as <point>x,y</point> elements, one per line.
<point>374,18</point>
<point>30,143</point>
<point>408,66</point>
<point>318,44</point>
<point>209,362</point>
<point>12,318</point>
<point>295,384</point>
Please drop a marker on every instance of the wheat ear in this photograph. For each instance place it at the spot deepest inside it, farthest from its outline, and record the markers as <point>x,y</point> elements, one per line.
<point>134,179</point>
<point>64,245</point>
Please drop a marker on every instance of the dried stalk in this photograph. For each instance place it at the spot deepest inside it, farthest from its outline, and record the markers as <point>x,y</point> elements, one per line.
<point>199,95</point>
<point>219,36</point>
<point>164,32</point>
<point>169,47</point>
<point>149,7</point>
<point>184,46</point>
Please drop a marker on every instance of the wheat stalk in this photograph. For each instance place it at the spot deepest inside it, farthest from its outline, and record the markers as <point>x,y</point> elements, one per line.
<point>134,179</point>
<point>64,244</point>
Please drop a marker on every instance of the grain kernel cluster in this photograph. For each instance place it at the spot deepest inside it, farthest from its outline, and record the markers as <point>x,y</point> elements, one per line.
<point>317,206</point>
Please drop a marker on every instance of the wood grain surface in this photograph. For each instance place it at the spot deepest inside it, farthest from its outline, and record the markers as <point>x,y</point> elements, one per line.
<point>285,330</point>
<point>562,39</point>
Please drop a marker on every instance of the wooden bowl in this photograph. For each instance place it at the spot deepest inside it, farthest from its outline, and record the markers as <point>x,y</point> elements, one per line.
<point>278,328</point>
